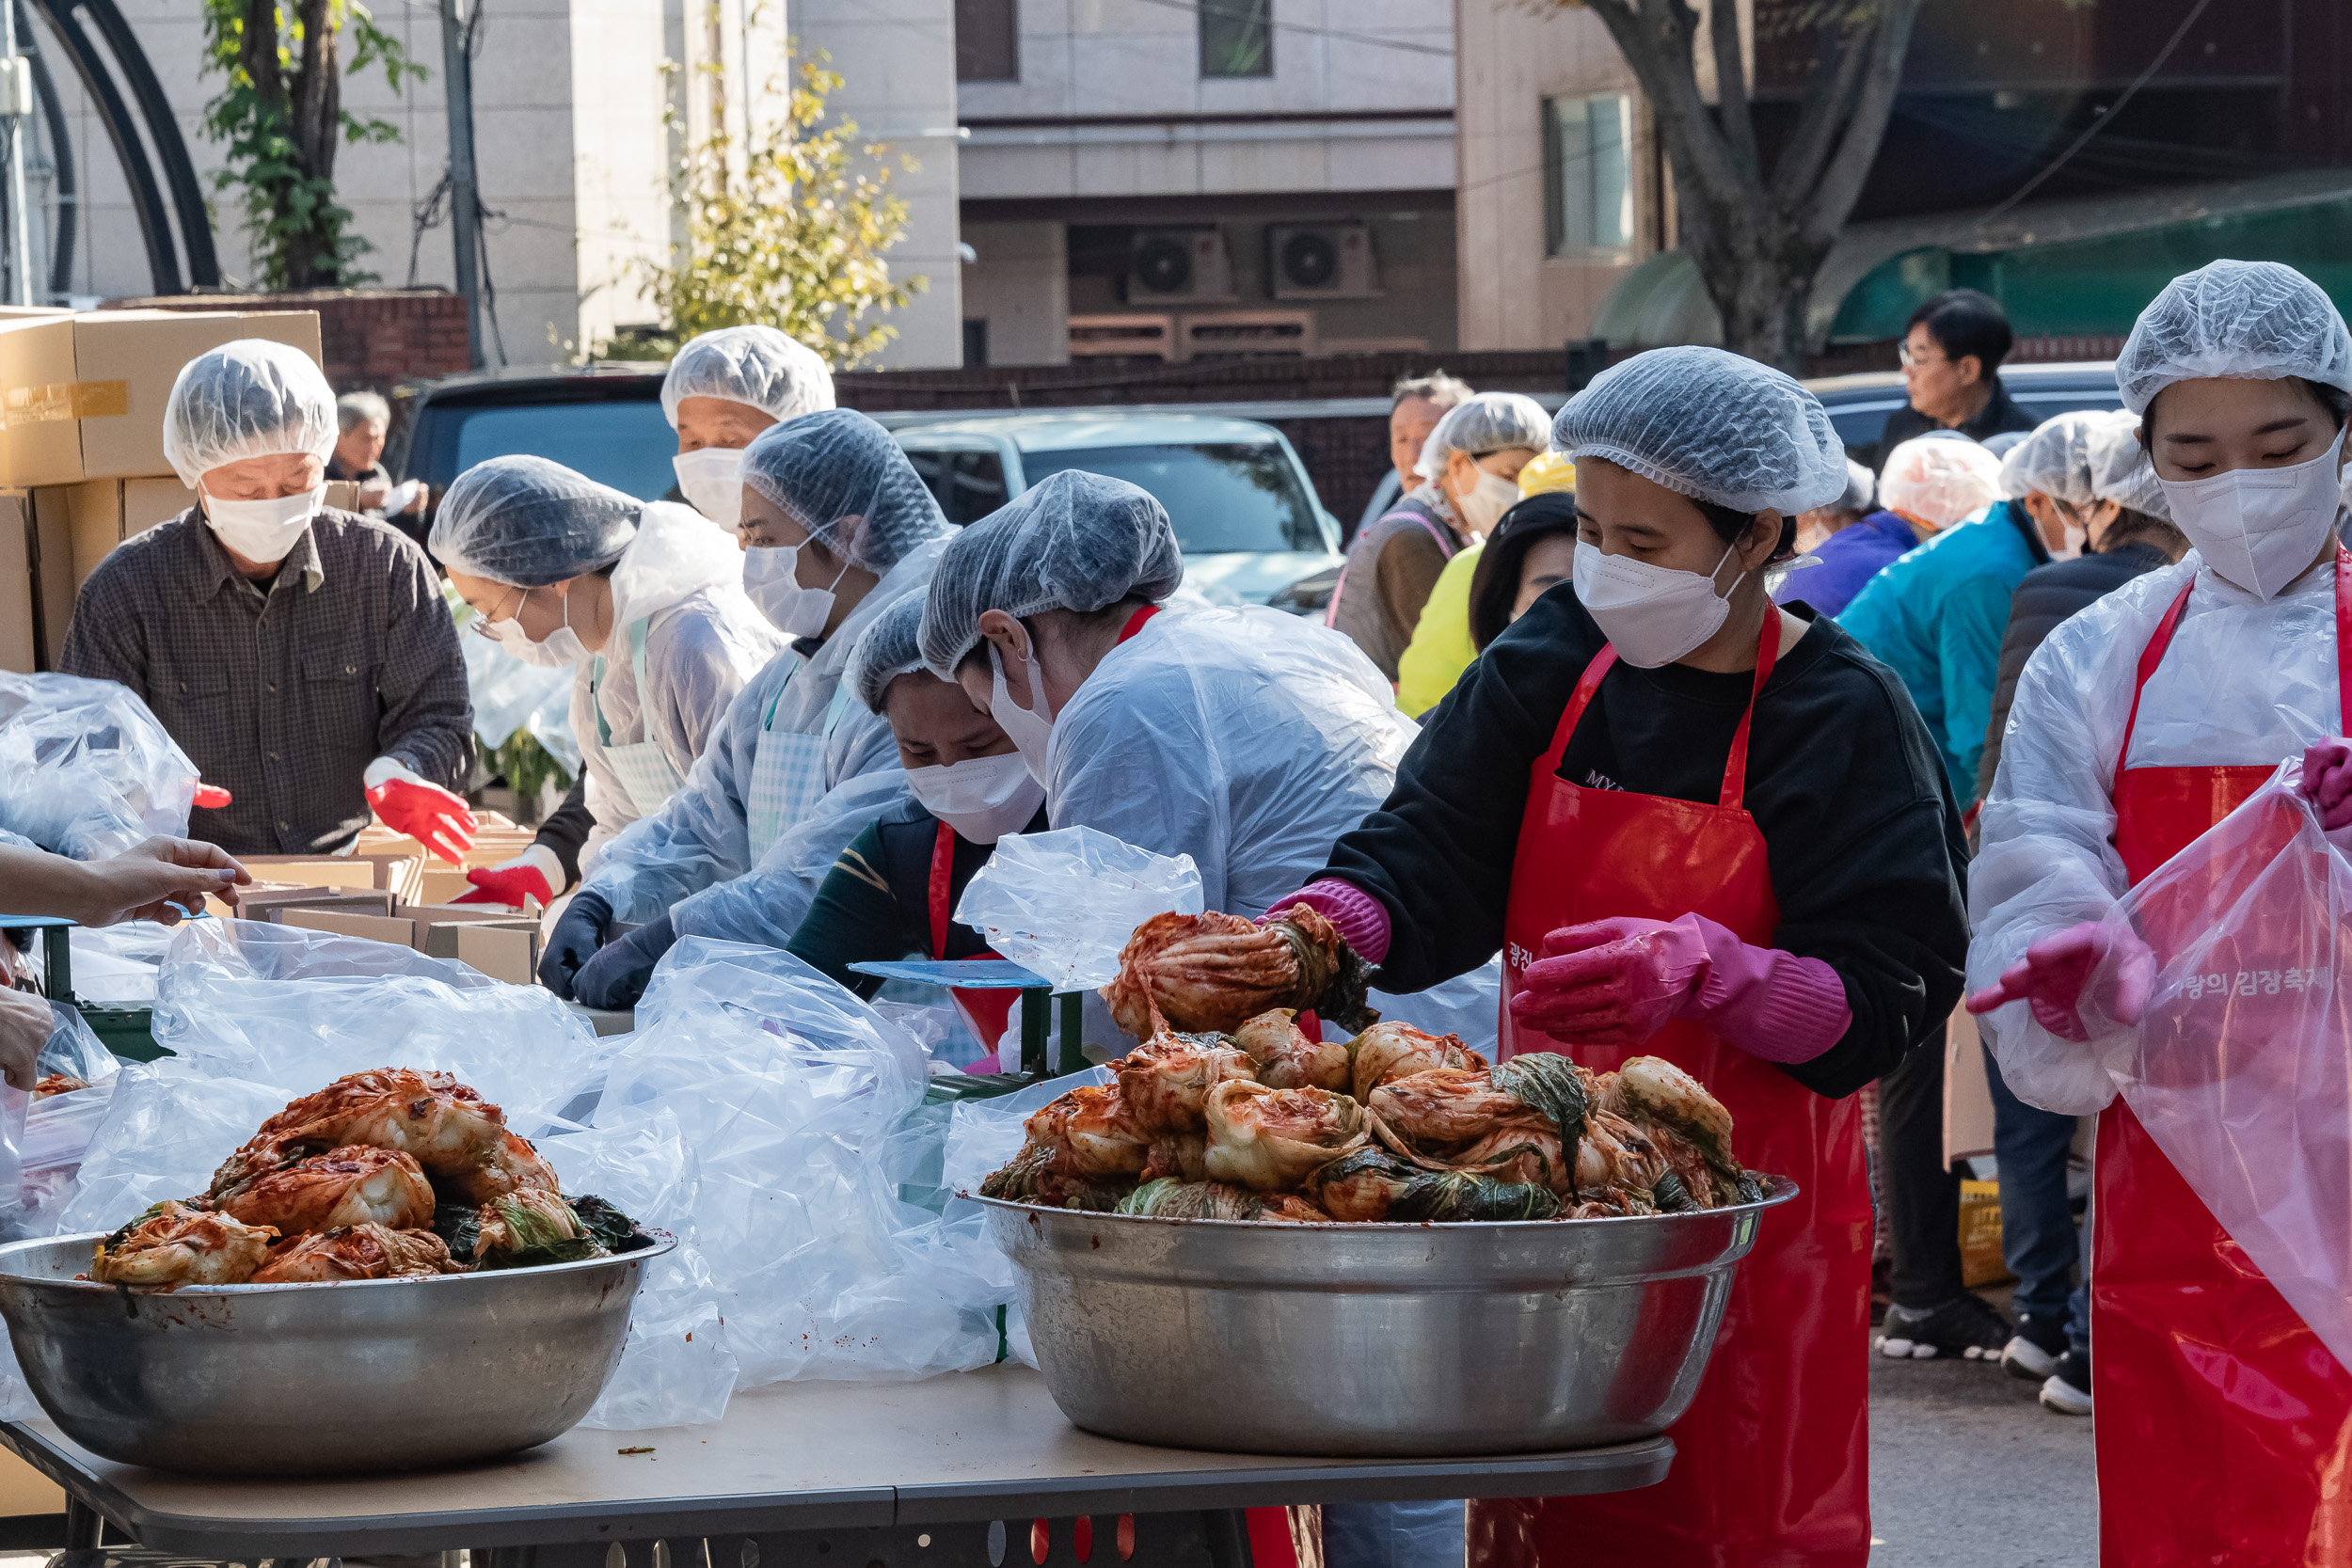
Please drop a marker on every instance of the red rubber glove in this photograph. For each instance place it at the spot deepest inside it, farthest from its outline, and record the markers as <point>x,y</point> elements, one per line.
<point>2326,782</point>
<point>211,797</point>
<point>532,874</point>
<point>1613,982</point>
<point>425,812</point>
<point>2104,966</point>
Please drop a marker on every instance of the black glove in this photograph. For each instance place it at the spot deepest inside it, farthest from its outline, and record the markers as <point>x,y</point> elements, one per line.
<point>579,932</point>
<point>616,976</point>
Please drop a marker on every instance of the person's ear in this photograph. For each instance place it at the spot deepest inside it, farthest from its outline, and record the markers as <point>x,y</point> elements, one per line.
<point>1971,369</point>
<point>1761,538</point>
<point>1010,637</point>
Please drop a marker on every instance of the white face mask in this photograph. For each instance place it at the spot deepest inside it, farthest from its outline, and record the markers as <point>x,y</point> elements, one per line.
<point>2076,536</point>
<point>1486,501</point>
<point>562,645</point>
<point>1031,728</point>
<point>712,480</point>
<point>982,798</point>
<point>793,609</point>
<point>1652,615</point>
<point>2260,528</point>
<point>265,531</point>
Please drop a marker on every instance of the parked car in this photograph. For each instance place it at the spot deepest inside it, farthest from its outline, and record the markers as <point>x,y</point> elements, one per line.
<point>1858,404</point>
<point>603,420</point>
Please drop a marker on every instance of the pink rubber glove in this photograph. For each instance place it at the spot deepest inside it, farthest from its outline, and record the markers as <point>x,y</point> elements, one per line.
<point>534,873</point>
<point>1362,919</point>
<point>425,812</point>
<point>2060,973</point>
<point>1613,982</point>
<point>2327,781</point>
<point>211,797</point>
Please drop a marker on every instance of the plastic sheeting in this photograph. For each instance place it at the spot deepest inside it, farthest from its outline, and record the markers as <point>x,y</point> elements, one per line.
<point>57,1128</point>
<point>510,696</point>
<point>1061,904</point>
<point>115,966</point>
<point>86,770</point>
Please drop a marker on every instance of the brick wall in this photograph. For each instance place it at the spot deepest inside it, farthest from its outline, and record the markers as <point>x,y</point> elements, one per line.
<point>370,338</point>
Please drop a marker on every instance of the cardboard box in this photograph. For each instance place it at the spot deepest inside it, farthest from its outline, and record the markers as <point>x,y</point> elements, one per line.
<point>264,900</point>
<point>501,946</point>
<point>82,396</point>
<point>393,874</point>
<point>102,513</point>
<point>341,923</point>
<point>507,951</point>
<point>20,647</point>
<point>1967,1097</point>
<point>55,583</point>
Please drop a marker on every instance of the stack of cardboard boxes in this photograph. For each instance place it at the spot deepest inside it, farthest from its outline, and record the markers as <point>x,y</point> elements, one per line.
<point>82,464</point>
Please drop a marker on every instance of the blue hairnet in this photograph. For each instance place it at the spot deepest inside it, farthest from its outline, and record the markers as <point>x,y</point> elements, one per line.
<point>890,647</point>
<point>1077,541</point>
<point>757,366</point>
<point>251,398</point>
<point>1708,423</point>
<point>844,481</point>
<point>531,522</point>
<point>2256,320</point>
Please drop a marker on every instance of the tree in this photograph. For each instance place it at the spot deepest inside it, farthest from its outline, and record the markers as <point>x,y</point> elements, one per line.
<point>788,232</point>
<point>1759,236</point>
<point>281,114</point>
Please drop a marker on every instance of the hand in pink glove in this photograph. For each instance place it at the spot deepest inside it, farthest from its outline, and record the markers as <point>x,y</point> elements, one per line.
<point>2327,781</point>
<point>1362,919</point>
<point>2060,973</point>
<point>1612,982</point>
<point>425,812</point>
<point>211,797</point>
<point>532,874</point>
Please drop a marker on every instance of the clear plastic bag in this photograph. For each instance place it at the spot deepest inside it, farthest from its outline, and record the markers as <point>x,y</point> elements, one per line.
<point>1063,904</point>
<point>509,695</point>
<point>2238,1069</point>
<point>117,966</point>
<point>86,769</point>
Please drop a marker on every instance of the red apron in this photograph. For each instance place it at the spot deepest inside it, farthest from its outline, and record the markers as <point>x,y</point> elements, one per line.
<point>2223,1426</point>
<point>1771,1461</point>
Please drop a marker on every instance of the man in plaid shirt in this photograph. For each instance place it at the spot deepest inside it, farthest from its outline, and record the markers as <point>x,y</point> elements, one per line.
<point>304,658</point>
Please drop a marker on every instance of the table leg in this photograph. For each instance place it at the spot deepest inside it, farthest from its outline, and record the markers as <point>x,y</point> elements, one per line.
<point>84,1527</point>
<point>1213,1538</point>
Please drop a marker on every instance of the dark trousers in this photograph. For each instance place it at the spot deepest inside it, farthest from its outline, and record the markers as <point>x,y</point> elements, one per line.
<point>2039,1241</point>
<point>1922,1193</point>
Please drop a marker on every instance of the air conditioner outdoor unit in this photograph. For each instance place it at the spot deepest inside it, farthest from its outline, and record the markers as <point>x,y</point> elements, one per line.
<point>1321,260</point>
<point>1173,266</point>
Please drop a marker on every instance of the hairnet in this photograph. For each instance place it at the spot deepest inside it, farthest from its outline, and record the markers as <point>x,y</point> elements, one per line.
<point>2257,321</point>
<point>890,647</point>
<point>2119,469</point>
<point>758,366</point>
<point>842,478</point>
<point>531,522</point>
<point>2056,458</point>
<point>1939,482</point>
<point>1077,541</point>
<point>1862,488</point>
<point>2002,442</point>
<point>1485,422</point>
<point>1710,424</point>
<point>250,398</point>
<point>1547,473</point>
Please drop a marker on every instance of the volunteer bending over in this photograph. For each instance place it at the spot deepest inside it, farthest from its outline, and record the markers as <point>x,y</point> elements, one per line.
<point>837,527</point>
<point>1706,828</point>
<point>894,888</point>
<point>2139,723</point>
<point>643,600</point>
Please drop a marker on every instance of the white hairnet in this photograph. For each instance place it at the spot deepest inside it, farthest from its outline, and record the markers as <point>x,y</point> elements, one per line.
<point>250,398</point>
<point>2257,321</point>
<point>2119,469</point>
<point>1485,422</point>
<point>1939,482</point>
<point>1862,488</point>
<point>1077,541</point>
<point>757,366</point>
<point>531,522</point>
<point>842,478</point>
<point>2002,442</point>
<point>890,647</point>
<point>1708,423</point>
<point>2055,459</point>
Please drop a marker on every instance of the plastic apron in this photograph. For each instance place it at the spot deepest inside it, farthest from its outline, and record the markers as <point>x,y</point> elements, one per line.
<point>987,1012</point>
<point>2224,1429</point>
<point>787,770</point>
<point>1772,1460</point>
<point>644,771</point>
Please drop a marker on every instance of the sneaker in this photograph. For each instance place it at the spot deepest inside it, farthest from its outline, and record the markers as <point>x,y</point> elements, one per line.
<point>2033,1353</point>
<point>2067,1391</point>
<point>1966,1326</point>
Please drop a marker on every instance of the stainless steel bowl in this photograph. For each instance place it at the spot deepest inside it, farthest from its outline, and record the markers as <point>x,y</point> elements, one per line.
<point>1354,1339</point>
<point>285,1380</point>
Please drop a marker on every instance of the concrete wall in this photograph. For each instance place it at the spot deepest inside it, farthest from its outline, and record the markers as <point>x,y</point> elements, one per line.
<point>1020,285</point>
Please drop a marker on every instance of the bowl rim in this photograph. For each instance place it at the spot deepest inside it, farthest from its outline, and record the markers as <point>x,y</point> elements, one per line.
<point>1785,1190</point>
<point>664,1242</point>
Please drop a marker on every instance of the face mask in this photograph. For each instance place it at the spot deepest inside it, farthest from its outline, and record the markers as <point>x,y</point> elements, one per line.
<point>793,609</point>
<point>2260,528</point>
<point>265,531</point>
<point>1486,501</point>
<point>1652,615</point>
<point>712,480</point>
<point>2076,536</point>
<point>562,645</point>
<point>982,798</point>
<point>1030,728</point>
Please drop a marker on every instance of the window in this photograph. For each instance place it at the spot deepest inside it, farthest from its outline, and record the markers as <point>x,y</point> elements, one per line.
<point>1220,495</point>
<point>1236,37</point>
<point>988,40</point>
<point>1588,182</point>
<point>968,485</point>
<point>976,340</point>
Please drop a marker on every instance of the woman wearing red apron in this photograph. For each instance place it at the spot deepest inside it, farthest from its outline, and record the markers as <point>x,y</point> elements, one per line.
<point>1706,828</point>
<point>2140,723</point>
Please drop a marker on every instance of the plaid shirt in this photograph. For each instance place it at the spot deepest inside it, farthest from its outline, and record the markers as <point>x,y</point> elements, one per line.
<point>283,693</point>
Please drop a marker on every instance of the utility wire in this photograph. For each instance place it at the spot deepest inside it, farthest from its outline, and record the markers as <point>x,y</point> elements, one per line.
<point>1243,13</point>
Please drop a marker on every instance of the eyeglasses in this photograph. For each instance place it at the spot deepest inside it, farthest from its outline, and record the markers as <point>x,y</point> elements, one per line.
<point>1904,357</point>
<point>483,620</point>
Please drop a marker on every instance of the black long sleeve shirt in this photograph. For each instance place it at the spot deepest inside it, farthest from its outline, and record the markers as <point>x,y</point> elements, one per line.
<point>1863,840</point>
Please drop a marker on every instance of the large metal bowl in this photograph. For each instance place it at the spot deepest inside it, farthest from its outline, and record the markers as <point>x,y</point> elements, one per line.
<point>285,1380</point>
<point>1356,1339</point>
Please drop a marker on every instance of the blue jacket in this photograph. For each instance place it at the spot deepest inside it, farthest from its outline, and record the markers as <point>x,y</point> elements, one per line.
<point>1935,618</point>
<point>1850,558</point>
